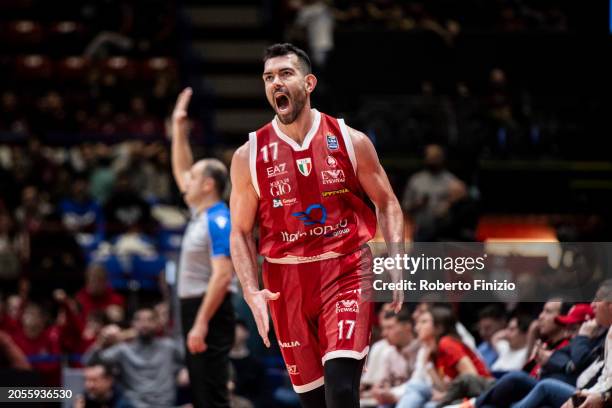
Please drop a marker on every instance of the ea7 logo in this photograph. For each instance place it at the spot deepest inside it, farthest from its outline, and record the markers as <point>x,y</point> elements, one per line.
<point>349,305</point>
<point>276,170</point>
<point>332,176</point>
<point>292,369</point>
<point>277,202</point>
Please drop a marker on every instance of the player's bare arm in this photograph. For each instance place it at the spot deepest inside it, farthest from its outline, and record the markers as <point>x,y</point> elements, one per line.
<point>375,183</point>
<point>243,210</point>
<point>182,158</point>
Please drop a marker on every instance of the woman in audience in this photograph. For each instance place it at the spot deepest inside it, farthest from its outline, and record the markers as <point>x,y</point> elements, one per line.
<point>449,356</point>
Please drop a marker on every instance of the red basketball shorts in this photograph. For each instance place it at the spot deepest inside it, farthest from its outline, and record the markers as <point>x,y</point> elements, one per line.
<point>323,312</point>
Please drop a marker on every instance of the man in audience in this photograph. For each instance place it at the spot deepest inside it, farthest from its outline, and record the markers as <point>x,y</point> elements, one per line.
<point>430,195</point>
<point>511,345</point>
<point>593,360</point>
<point>399,357</point>
<point>148,365</point>
<point>100,389</point>
<point>551,340</point>
<point>491,319</point>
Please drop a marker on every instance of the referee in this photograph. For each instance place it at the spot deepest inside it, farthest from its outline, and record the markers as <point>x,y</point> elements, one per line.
<point>205,280</point>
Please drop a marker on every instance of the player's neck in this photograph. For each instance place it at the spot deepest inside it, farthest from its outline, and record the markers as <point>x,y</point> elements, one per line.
<point>298,129</point>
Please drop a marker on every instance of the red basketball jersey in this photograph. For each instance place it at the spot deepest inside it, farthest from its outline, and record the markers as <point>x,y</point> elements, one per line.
<point>311,204</point>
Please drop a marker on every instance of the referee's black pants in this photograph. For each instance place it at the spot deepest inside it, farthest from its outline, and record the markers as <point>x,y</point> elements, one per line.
<point>209,372</point>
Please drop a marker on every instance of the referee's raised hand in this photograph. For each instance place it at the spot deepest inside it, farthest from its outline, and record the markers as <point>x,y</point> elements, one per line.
<point>179,115</point>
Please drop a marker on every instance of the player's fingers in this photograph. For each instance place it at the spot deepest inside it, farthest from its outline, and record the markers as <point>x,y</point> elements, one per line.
<point>271,295</point>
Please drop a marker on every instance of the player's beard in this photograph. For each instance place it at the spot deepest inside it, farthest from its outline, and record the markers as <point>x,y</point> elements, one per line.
<point>297,105</point>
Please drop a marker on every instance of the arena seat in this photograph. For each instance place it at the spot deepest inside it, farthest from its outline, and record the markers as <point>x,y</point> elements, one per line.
<point>146,271</point>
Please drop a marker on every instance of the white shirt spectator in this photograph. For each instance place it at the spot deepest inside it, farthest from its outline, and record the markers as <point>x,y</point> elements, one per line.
<point>509,359</point>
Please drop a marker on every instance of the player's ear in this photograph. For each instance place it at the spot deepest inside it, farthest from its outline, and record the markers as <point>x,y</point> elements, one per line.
<point>311,82</point>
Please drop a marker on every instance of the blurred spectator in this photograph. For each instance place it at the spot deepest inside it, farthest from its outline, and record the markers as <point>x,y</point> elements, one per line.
<point>436,330</point>
<point>13,248</point>
<point>97,295</point>
<point>594,385</point>
<point>491,320</point>
<point>100,389</point>
<point>374,371</point>
<point>43,344</point>
<point>466,336</point>
<point>551,339</point>
<point>316,18</point>
<point>56,258</point>
<point>156,170</point>
<point>248,370</point>
<point>148,365</point>
<point>399,360</point>
<point>102,175</point>
<point>511,345</point>
<point>11,355</point>
<point>33,209</point>
<point>164,319</point>
<point>126,213</point>
<point>80,213</point>
<point>430,194</point>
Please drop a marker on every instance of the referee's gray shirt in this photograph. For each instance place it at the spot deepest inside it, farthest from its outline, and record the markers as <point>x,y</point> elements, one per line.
<point>207,236</point>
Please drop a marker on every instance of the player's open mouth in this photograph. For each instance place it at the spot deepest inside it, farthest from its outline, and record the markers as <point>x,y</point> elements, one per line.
<point>282,102</point>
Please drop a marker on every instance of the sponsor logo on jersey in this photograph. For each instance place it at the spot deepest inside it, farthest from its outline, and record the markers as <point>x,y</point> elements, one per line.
<point>332,142</point>
<point>280,187</point>
<point>349,305</point>
<point>331,161</point>
<point>334,192</point>
<point>276,170</point>
<point>304,166</point>
<point>308,219</point>
<point>332,176</point>
<point>289,344</point>
<point>280,202</point>
<point>292,369</point>
<point>327,231</point>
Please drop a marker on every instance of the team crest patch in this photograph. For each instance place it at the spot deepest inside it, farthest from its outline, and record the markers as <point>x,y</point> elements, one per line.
<point>304,166</point>
<point>332,142</point>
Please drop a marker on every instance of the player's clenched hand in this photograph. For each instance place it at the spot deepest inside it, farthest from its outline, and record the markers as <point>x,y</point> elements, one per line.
<point>258,302</point>
<point>195,338</point>
<point>179,115</point>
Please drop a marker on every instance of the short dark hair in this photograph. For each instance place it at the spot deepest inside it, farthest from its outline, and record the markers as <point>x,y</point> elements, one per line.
<point>523,321</point>
<point>216,171</point>
<point>282,49</point>
<point>403,316</point>
<point>444,319</point>
<point>108,369</point>
<point>493,311</point>
<point>605,290</point>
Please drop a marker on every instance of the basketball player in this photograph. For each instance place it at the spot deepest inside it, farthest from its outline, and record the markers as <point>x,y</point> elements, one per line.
<point>304,177</point>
